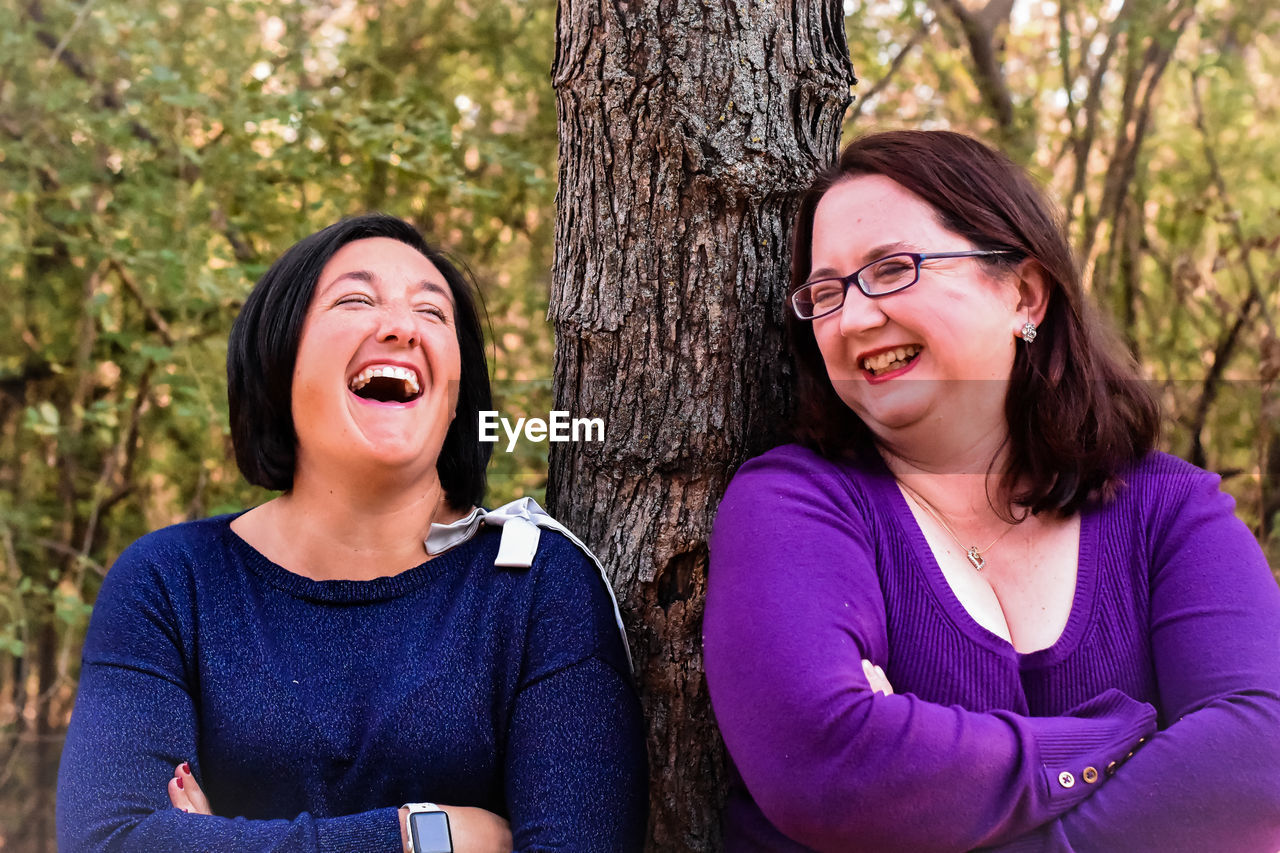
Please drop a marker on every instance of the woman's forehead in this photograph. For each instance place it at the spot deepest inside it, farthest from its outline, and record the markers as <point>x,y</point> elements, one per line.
<point>872,215</point>
<point>379,261</point>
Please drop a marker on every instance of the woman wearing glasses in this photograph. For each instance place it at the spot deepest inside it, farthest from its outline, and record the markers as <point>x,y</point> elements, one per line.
<point>972,607</point>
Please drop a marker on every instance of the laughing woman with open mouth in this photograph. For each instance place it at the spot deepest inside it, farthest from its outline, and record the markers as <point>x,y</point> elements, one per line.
<point>347,667</point>
<point>972,607</point>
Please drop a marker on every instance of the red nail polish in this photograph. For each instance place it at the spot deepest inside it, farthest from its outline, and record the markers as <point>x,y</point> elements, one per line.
<point>186,768</point>
<point>179,781</point>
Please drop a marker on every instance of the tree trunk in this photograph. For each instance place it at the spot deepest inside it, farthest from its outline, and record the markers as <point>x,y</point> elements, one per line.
<point>686,131</point>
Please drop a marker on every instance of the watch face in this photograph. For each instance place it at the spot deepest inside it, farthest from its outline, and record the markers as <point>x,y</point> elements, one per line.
<point>429,832</point>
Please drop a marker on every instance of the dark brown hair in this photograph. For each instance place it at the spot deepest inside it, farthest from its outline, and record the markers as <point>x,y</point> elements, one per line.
<point>1077,408</point>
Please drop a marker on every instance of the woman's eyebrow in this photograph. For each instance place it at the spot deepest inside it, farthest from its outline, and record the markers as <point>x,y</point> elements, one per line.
<point>873,254</point>
<point>370,277</point>
<point>885,249</point>
<point>437,288</point>
<point>359,275</point>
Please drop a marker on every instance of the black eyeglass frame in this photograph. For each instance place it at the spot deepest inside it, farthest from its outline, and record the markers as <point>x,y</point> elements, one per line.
<point>855,277</point>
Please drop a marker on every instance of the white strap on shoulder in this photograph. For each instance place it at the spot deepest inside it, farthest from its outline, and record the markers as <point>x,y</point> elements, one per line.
<point>522,522</point>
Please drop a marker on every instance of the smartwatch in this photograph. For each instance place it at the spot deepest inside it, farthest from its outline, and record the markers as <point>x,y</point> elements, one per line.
<point>428,829</point>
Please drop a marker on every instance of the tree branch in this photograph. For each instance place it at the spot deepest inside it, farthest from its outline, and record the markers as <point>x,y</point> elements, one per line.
<point>916,37</point>
<point>979,31</point>
<point>68,551</point>
<point>162,328</point>
<point>1083,144</point>
<point>1220,184</point>
<point>71,31</point>
<point>1139,94</point>
<point>1226,345</point>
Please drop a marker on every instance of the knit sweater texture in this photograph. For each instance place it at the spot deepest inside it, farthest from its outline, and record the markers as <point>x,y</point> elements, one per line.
<point>311,710</point>
<point>1169,666</point>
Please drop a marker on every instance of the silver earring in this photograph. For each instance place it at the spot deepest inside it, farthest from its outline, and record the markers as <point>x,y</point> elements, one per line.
<point>1029,331</point>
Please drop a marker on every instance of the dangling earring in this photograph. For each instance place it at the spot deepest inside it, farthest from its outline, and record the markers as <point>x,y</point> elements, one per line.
<point>1029,331</point>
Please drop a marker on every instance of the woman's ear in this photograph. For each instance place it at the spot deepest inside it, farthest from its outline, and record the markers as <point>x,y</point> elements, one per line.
<point>1033,292</point>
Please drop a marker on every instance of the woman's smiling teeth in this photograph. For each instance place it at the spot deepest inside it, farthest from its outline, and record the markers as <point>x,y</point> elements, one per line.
<point>386,383</point>
<point>890,359</point>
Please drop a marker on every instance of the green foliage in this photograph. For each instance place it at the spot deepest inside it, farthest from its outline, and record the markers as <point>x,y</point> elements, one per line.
<point>156,158</point>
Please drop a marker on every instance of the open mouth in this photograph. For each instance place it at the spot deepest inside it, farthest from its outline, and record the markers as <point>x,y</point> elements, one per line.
<point>386,384</point>
<point>891,360</point>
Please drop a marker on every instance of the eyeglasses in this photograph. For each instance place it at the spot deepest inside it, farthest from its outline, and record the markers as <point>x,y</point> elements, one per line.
<point>881,277</point>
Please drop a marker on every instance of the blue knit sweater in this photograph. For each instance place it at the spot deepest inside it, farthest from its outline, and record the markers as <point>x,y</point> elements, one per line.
<point>310,710</point>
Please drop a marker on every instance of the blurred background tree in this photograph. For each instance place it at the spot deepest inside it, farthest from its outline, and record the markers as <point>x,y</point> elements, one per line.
<point>155,157</point>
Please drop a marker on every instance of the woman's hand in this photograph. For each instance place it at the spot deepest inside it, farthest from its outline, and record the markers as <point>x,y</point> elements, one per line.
<point>473,830</point>
<point>876,678</point>
<point>185,793</point>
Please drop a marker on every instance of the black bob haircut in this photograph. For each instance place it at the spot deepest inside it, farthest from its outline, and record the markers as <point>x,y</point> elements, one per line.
<point>263,349</point>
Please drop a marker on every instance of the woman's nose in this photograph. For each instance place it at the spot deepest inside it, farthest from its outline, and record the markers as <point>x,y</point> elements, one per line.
<point>859,312</point>
<point>397,327</point>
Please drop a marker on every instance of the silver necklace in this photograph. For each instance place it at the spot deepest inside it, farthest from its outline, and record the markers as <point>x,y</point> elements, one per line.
<point>971,552</point>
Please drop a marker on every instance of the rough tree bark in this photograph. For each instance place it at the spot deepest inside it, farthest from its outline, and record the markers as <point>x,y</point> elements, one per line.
<point>687,127</point>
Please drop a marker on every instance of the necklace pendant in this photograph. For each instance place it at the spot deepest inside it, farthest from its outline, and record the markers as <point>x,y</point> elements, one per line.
<point>975,558</point>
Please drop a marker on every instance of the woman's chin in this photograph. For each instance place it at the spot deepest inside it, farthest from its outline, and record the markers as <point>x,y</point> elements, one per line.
<point>395,435</point>
<point>893,423</point>
<point>400,456</point>
<point>891,409</point>
<point>383,457</point>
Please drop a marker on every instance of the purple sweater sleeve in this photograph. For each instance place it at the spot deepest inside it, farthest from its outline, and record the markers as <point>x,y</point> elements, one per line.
<point>793,606</point>
<point>1210,780</point>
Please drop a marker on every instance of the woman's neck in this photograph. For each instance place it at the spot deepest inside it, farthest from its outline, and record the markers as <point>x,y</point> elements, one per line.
<point>962,480</point>
<point>329,528</point>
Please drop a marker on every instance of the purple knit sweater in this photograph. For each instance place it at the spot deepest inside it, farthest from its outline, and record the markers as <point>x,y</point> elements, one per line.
<point>1153,723</point>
